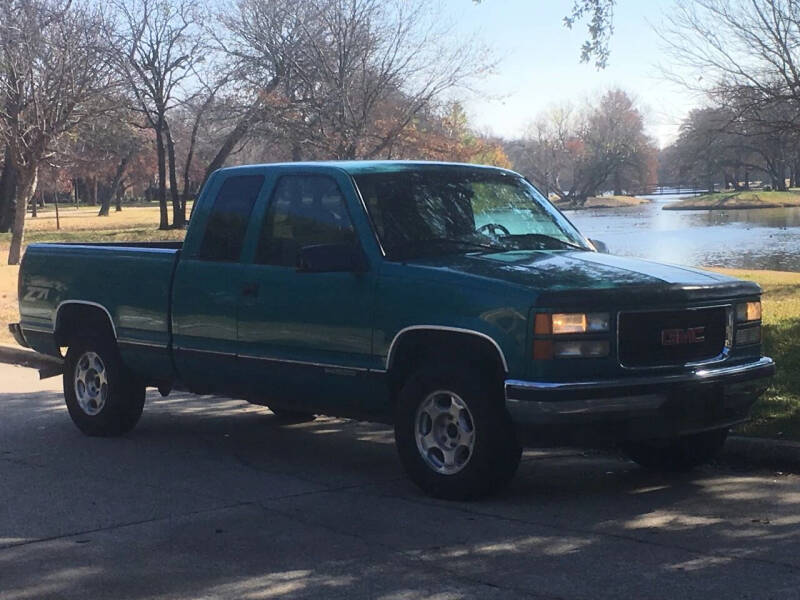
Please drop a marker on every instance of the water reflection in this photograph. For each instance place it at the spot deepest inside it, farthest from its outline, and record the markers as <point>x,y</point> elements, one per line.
<point>762,238</point>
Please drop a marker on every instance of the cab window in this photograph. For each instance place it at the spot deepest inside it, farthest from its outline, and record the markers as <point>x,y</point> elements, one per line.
<point>230,214</point>
<point>305,210</point>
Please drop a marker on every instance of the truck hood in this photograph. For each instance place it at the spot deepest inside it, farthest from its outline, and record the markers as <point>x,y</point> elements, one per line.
<point>557,275</point>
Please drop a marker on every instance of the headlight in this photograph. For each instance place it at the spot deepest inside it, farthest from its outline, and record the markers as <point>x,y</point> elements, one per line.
<point>579,323</point>
<point>550,330</point>
<point>748,311</point>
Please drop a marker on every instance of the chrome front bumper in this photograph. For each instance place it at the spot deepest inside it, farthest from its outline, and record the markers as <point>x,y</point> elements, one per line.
<point>764,367</point>
<point>642,406</point>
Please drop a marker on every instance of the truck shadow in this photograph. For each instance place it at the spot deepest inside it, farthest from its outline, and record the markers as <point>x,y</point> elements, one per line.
<point>322,509</point>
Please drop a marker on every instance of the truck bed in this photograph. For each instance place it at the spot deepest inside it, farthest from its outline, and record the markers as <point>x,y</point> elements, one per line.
<point>130,282</point>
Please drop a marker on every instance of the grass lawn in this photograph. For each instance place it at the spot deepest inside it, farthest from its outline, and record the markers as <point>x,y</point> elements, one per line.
<point>737,200</point>
<point>776,415</point>
<point>603,202</point>
<point>133,223</point>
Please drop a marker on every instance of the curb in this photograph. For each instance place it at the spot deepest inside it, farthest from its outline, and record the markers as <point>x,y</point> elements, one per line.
<point>762,451</point>
<point>27,358</point>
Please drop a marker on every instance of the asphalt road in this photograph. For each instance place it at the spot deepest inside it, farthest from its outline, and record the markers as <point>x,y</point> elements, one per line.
<point>213,498</point>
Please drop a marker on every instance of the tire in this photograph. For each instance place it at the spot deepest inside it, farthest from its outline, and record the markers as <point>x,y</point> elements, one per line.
<point>114,406</point>
<point>294,416</point>
<point>680,454</point>
<point>463,414</point>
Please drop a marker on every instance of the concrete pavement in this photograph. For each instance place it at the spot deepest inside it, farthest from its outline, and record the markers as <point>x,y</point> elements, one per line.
<point>213,498</point>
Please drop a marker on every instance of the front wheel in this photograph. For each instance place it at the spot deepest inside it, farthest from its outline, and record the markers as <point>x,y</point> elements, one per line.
<point>453,434</point>
<point>679,454</point>
<point>103,397</point>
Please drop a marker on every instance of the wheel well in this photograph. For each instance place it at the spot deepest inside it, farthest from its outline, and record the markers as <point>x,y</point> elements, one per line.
<point>418,348</point>
<point>76,319</point>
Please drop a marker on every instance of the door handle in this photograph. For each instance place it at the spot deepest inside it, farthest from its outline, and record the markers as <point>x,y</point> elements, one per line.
<point>250,290</point>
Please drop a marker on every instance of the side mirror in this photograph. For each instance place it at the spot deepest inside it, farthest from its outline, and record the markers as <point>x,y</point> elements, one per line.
<point>599,246</point>
<point>331,258</point>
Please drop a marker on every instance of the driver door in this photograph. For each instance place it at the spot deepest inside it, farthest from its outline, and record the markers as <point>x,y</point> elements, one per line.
<point>305,338</point>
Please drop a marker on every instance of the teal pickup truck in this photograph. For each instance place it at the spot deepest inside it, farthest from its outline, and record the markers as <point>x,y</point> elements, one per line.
<point>451,301</point>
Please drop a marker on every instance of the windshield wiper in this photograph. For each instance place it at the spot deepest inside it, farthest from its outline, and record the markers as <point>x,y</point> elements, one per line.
<point>549,238</point>
<point>454,241</point>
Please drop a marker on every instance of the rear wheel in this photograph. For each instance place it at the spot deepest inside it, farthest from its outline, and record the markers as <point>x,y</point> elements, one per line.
<point>103,397</point>
<point>679,454</point>
<point>453,434</point>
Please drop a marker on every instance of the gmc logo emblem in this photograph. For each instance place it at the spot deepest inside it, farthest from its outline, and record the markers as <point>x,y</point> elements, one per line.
<point>679,337</point>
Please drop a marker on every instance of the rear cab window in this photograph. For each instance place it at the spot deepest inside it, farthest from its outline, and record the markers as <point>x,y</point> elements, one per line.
<point>229,218</point>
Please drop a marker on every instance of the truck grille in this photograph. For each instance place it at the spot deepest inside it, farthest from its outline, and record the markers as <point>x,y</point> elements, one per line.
<point>671,337</point>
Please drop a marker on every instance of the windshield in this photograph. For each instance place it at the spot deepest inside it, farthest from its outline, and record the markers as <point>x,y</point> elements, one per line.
<point>446,210</point>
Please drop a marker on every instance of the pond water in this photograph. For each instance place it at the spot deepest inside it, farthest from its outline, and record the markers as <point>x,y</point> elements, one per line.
<point>759,239</point>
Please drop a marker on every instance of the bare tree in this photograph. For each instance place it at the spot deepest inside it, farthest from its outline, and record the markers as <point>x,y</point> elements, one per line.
<point>744,55</point>
<point>367,68</point>
<point>111,143</point>
<point>338,78</point>
<point>260,42</point>
<point>616,138</point>
<point>727,46</point>
<point>575,154</point>
<point>547,151</point>
<point>159,45</point>
<point>52,66</point>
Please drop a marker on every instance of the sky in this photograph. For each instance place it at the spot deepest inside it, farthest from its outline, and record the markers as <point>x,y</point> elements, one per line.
<point>539,63</point>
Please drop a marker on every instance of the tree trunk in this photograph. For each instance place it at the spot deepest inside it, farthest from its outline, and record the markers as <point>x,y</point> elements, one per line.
<point>118,175</point>
<point>93,195</point>
<point>727,181</point>
<point>187,166</point>
<point>234,137</point>
<point>105,206</point>
<point>617,183</point>
<point>237,134</point>
<point>162,180</point>
<point>26,188</point>
<point>178,214</point>
<point>120,194</point>
<point>780,176</point>
<point>8,188</point>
